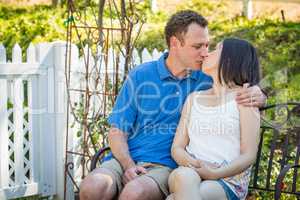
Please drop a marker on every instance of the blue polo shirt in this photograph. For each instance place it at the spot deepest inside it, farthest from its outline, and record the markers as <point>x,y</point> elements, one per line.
<point>148,109</point>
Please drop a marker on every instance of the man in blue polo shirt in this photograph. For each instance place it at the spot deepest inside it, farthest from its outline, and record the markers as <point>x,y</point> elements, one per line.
<point>147,110</point>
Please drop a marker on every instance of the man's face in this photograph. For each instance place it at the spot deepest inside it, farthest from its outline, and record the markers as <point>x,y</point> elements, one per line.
<point>192,51</point>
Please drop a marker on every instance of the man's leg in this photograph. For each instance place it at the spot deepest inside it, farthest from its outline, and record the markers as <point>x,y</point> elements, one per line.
<point>98,185</point>
<point>103,183</point>
<point>153,185</point>
<point>142,188</point>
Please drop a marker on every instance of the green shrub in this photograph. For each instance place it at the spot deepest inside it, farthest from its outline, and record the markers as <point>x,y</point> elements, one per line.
<point>25,25</point>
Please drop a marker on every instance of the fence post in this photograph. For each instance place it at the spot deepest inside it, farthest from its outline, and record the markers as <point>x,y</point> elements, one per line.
<point>3,128</point>
<point>47,147</point>
<point>34,112</point>
<point>60,110</point>
<point>4,171</point>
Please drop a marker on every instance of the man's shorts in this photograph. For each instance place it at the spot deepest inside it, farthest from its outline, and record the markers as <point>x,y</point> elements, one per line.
<point>158,173</point>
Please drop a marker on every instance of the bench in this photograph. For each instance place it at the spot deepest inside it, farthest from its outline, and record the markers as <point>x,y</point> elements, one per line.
<point>276,169</point>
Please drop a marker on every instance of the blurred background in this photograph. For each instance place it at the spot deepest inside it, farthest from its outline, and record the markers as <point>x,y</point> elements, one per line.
<point>272,25</point>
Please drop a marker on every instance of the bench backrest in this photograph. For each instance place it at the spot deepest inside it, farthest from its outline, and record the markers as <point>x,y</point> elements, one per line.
<point>279,150</point>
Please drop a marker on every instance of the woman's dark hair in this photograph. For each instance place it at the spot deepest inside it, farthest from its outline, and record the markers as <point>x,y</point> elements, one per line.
<point>238,63</point>
<point>179,22</point>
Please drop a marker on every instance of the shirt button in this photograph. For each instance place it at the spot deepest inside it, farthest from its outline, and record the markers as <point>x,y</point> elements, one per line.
<point>177,93</point>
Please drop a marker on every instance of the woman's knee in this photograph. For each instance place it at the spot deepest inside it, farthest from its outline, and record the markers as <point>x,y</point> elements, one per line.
<point>210,190</point>
<point>184,174</point>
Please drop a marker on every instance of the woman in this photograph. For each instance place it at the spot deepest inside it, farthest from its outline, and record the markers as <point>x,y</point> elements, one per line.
<point>216,139</point>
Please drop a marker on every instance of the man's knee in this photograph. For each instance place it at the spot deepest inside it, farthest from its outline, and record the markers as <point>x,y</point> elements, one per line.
<point>183,175</point>
<point>97,186</point>
<point>133,191</point>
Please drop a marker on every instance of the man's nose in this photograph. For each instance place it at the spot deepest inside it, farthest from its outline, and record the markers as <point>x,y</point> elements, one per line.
<point>204,53</point>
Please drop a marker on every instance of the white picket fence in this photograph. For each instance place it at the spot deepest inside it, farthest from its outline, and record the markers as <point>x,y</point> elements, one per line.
<point>33,119</point>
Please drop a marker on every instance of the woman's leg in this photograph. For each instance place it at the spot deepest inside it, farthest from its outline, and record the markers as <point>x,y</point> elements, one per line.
<point>184,184</point>
<point>211,190</point>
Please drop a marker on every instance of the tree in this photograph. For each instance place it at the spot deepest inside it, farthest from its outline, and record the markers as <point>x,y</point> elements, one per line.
<point>58,2</point>
<point>247,9</point>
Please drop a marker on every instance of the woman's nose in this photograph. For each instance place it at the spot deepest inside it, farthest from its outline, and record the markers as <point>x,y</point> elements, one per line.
<point>209,54</point>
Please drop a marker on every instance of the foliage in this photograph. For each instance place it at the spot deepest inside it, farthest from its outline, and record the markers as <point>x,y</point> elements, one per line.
<point>151,40</point>
<point>277,44</point>
<point>212,10</point>
<point>25,25</point>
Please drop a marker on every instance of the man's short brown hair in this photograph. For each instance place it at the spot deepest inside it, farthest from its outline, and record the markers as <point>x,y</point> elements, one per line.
<point>178,24</point>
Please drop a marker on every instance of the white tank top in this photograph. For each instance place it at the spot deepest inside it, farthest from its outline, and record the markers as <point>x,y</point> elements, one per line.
<point>214,134</point>
<point>207,122</point>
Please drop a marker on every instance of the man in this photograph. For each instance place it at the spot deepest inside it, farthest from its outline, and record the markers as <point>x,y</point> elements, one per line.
<point>146,113</point>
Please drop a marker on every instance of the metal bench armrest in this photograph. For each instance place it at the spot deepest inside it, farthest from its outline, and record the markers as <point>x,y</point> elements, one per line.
<point>96,157</point>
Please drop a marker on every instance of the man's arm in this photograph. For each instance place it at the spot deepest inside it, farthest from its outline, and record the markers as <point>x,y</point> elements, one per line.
<point>122,120</point>
<point>118,143</point>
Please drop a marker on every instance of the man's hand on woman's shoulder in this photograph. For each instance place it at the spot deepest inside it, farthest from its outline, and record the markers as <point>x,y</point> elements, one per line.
<point>251,96</point>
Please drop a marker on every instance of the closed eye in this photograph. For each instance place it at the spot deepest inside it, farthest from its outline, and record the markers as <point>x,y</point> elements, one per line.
<point>200,46</point>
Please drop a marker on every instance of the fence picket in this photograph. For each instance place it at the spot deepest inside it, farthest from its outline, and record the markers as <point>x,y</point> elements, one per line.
<point>2,54</point>
<point>17,54</point>
<point>146,56</point>
<point>135,57</point>
<point>31,58</point>
<point>156,54</point>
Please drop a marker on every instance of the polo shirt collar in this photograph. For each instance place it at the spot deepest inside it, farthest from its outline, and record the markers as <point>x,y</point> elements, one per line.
<point>164,72</point>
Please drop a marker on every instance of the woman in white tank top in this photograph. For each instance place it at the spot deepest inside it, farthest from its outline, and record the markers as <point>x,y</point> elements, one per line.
<point>216,139</point>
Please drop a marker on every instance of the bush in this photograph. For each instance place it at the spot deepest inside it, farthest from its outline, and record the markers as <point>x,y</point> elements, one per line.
<point>25,25</point>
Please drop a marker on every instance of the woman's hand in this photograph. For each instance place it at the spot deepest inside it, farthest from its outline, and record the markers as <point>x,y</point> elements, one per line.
<point>206,170</point>
<point>198,163</point>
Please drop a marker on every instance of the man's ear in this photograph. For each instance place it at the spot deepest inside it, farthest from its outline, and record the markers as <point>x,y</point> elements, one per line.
<point>174,42</point>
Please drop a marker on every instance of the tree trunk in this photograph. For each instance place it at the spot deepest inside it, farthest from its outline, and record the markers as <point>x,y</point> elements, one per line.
<point>57,2</point>
<point>54,3</point>
<point>248,9</point>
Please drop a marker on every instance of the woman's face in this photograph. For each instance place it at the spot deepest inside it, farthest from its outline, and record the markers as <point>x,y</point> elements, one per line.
<point>211,62</point>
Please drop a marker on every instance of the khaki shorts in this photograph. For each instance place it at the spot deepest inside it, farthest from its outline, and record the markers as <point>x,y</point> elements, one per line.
<point>158,173</point>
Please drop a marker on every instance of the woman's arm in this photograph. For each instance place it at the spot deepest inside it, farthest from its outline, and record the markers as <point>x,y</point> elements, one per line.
<point>249,125</point>
<point>181,138</point>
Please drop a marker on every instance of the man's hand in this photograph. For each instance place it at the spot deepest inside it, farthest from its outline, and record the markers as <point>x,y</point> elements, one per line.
<point>133,172</point>
<point>251,96</point>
